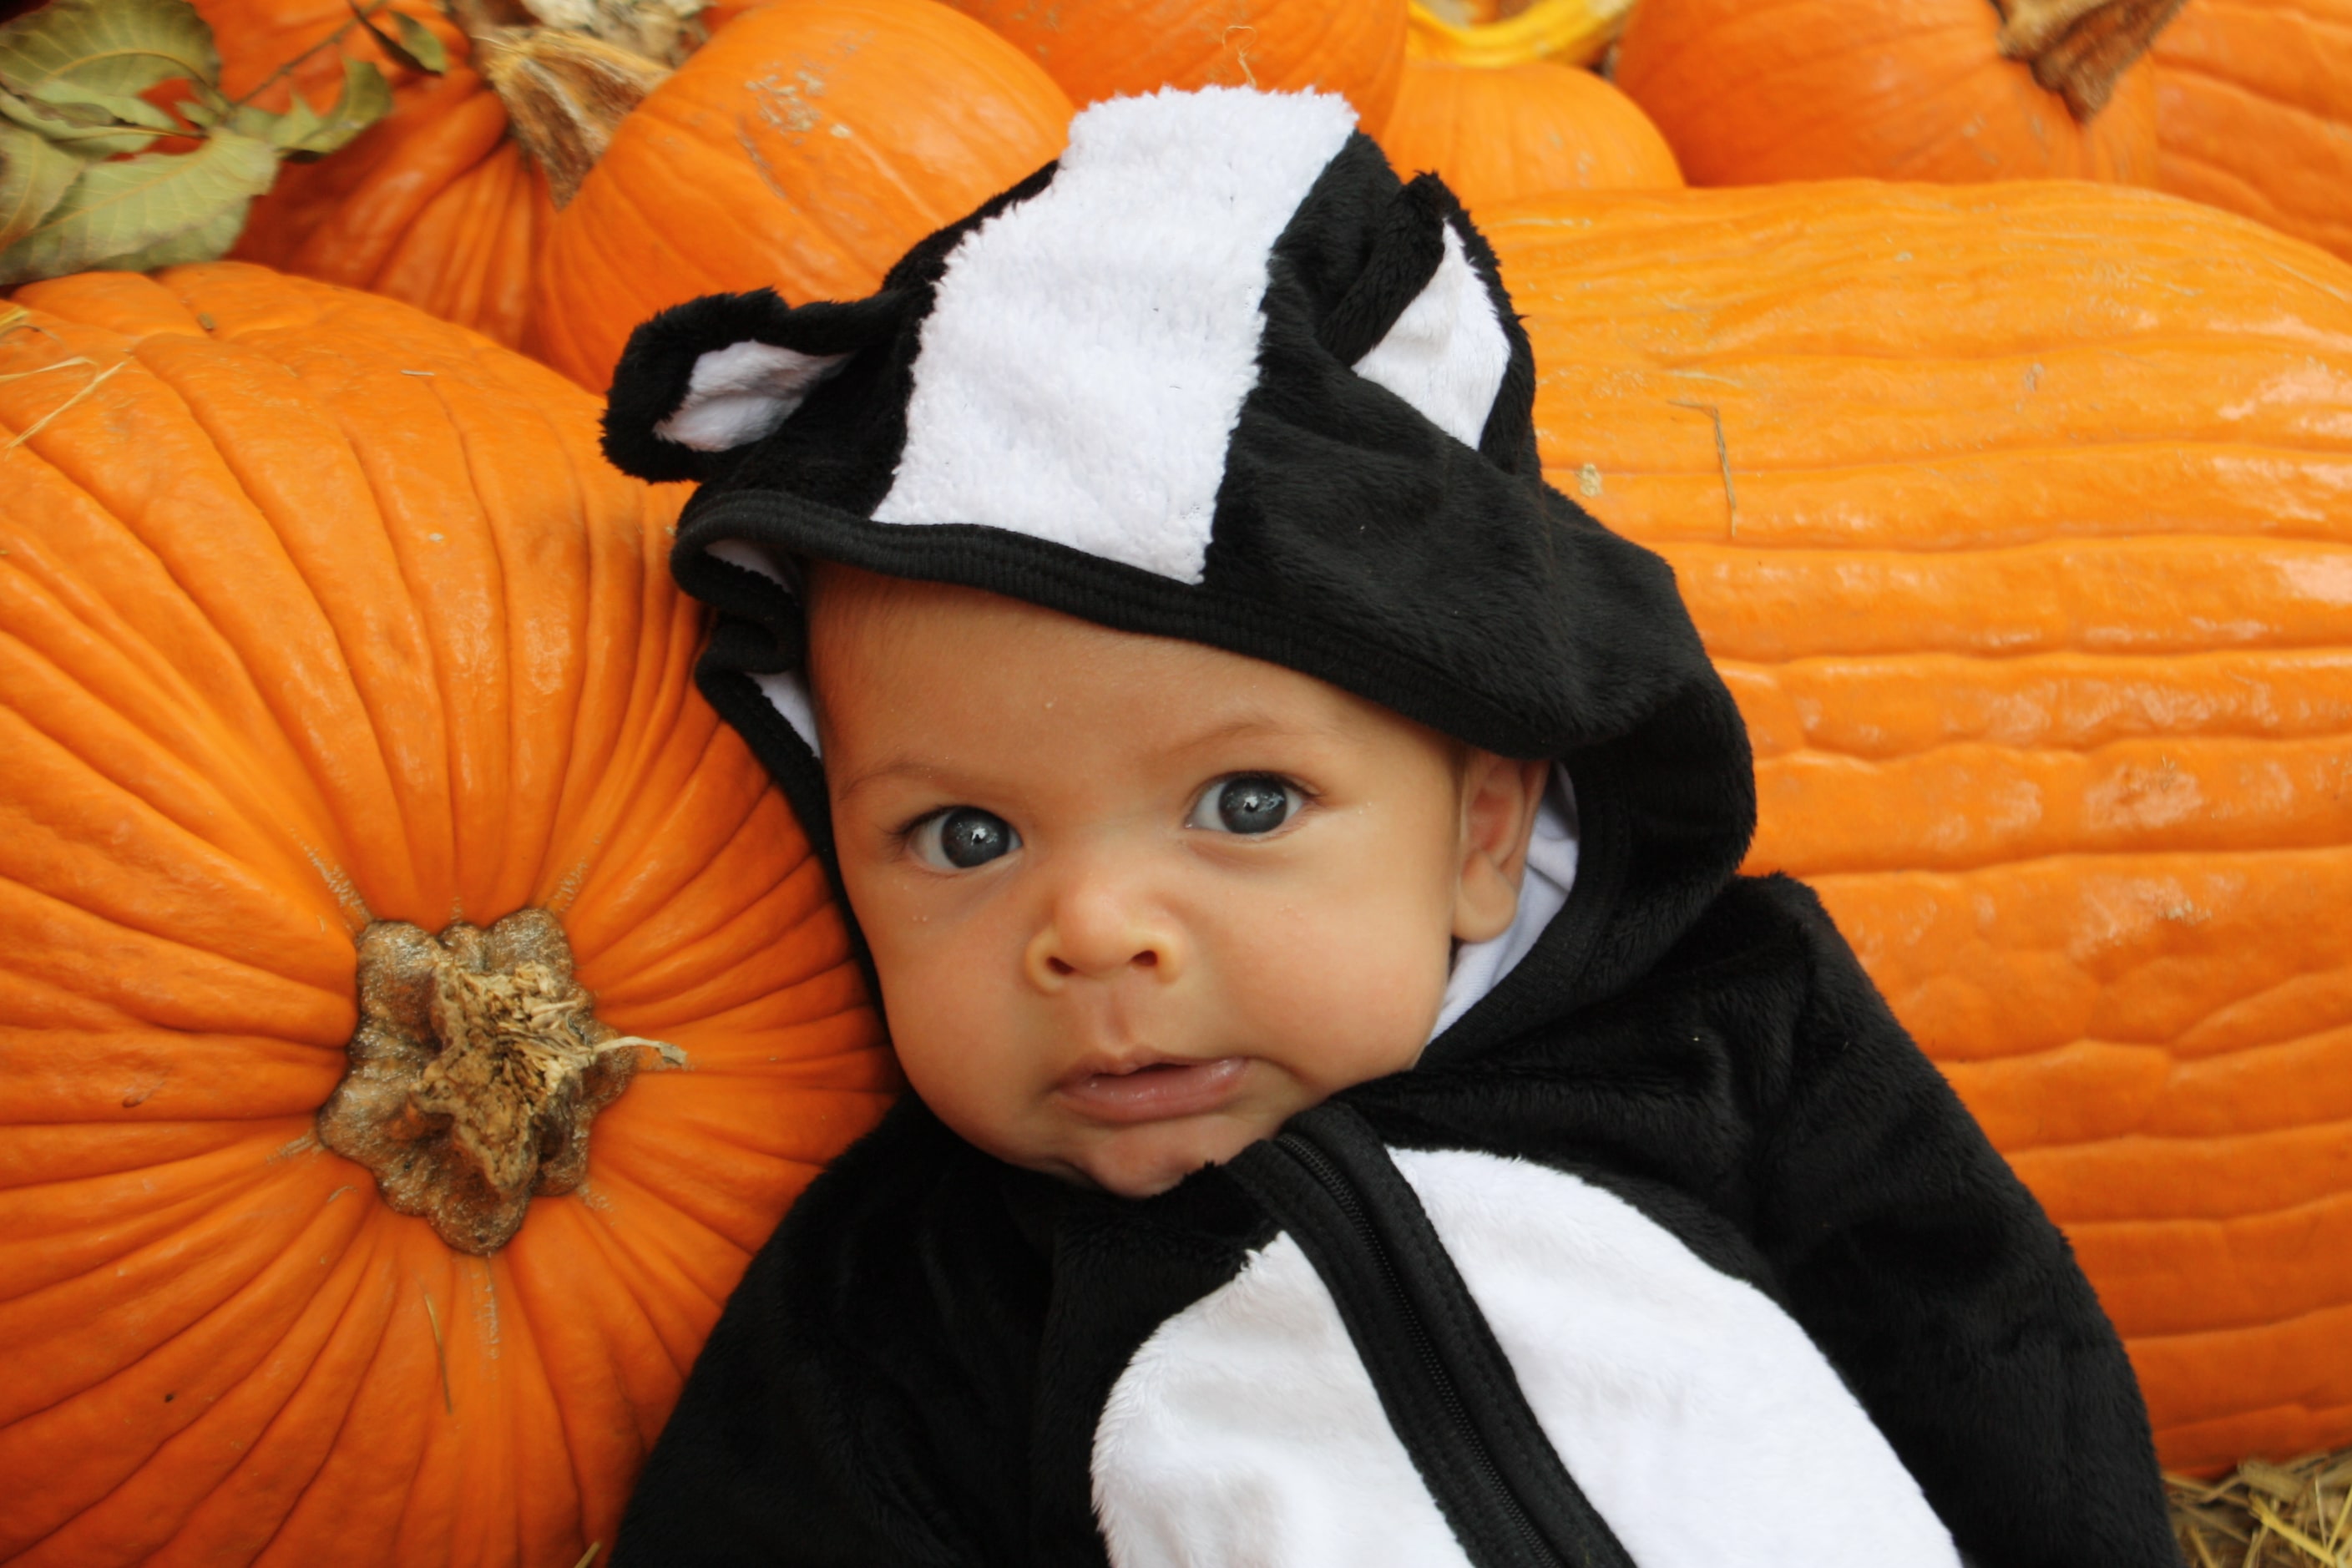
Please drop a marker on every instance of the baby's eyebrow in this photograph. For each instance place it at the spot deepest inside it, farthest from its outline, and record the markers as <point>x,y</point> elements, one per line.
<point>890,768</point>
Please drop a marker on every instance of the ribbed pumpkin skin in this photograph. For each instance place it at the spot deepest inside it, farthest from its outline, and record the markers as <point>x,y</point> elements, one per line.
<point>1498,135</point>
<point>803,149</point>
<point>1103,49</point>
<point>2254,113</point>
<point>1750,91</point>
<point>2039,605</point>
<point>317,609</point>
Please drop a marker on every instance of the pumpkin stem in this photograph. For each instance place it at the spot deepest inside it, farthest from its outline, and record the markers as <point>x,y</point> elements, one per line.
<point>2078,48</point>
<point>475,1070</point>
<point>565,94</point>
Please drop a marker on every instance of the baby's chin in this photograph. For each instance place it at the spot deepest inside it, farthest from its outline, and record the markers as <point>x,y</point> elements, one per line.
<point>1146,1160</point>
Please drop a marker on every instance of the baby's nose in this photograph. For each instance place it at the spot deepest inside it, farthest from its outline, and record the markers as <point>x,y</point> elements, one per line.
<point>1100,933</point>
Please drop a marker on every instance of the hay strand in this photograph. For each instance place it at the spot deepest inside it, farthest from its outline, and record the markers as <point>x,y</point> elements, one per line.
<point>2268,1515</point>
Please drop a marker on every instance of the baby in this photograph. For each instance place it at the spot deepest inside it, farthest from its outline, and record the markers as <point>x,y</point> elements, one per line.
<point>1360,1115</point>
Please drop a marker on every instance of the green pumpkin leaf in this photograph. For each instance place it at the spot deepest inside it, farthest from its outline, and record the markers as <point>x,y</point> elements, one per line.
<point>366,98</point>
<point>401,50</point>
<point>34,173</point>
<point>118,47</point>
<point>84,129</point>
<point>420,45</point>
<point>280,130</point>
<point>146,212</point>
<point>207,241</point>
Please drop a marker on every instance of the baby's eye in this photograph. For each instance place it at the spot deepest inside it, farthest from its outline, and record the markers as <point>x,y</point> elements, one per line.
<point>962,838</point>
<point>1247,802</point>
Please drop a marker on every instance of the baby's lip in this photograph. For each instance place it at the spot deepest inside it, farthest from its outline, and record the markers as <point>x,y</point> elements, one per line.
<point>1154,1088</point>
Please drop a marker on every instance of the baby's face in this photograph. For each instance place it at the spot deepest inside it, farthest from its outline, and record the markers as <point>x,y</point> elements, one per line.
<point>1135,901</point>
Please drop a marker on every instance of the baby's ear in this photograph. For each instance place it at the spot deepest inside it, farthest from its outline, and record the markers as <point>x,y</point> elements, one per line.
<point>706,377</point>
<point>1427,318</point>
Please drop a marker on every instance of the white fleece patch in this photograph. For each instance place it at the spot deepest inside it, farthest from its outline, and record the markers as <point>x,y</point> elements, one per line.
<point>741,392</point>
<point>1246,1434</point>
<point>1447,354</point>
<point>1696,1416</point>
<point>1085,361</point>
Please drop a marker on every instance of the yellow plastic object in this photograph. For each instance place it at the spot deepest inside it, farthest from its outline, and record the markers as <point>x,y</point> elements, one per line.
<point>1568,32</point>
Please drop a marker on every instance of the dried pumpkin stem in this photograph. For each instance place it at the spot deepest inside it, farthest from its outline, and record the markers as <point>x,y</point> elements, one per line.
<point>475,1070</point>
<point>565,94</point>
<point>2079,47</point>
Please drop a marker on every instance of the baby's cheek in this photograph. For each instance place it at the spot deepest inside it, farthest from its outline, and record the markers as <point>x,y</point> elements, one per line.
<point>1348,997</point>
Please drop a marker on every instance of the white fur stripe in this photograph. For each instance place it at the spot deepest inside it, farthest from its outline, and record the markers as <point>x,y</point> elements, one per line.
<point>1447,354</point>
<point>1083,365</point>
<point>1246,1434</point>
<point>1699,1420</point>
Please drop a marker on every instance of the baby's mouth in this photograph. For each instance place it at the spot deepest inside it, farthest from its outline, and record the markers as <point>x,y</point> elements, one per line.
<point>1154,1091</point>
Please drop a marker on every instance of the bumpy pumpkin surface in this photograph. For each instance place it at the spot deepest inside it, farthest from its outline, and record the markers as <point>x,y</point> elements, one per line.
<point>1501,134</point>
<point>1754,91</point>
<point>324,626</point>
<point>2020,520</point>
<point>803,149</point>
<point>2254,113</point>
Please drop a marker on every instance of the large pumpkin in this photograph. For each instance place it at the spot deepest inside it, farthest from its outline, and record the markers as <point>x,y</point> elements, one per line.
<point>1103,49</point>
<point>323,630</point>
<point>1498,133</point>
<point>2253,112</point>
<point>1755,90</point>
<point>2020,520</point>
<point>803,149</point>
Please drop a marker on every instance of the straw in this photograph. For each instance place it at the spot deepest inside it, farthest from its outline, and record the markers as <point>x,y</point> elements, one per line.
<point>2268,1515</point>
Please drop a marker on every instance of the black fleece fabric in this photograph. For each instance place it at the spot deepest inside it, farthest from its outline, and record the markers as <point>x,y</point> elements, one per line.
<point>913,1370</point>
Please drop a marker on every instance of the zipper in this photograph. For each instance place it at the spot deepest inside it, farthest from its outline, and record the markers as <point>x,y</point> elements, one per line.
<point>1343,1192</point>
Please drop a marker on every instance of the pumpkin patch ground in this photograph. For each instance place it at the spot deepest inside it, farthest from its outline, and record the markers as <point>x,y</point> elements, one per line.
<point>416,1006</point>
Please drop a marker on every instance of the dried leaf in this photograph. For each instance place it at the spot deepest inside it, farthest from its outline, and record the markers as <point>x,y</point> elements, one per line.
<point>147,212</point>
<point>34,173</point>
<point>114,47</point>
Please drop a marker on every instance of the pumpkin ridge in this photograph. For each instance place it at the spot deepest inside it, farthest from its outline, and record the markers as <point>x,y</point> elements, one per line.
<point>200,1364</point>
<point>228,445</point>
<point>166,681</point>
<point>318,1321</point>
<point>662,965</point>
<point>713,807</point>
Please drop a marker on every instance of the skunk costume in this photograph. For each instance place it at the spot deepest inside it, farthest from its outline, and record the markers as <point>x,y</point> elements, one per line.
<point>1672,1251</point>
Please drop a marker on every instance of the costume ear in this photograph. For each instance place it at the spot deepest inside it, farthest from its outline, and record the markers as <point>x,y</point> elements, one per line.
<point>718,373</point>
<point>1421,319</point>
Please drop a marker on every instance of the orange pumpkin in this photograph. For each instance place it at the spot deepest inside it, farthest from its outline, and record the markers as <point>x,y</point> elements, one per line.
<point>804,148</point>
<point>1102,48</point>
<point>2254,113</point>
<point>2018,519</point>
<point>1754,91</point>
<point>436,206</point>
<point>1520,130</point>
<point>317,615</point>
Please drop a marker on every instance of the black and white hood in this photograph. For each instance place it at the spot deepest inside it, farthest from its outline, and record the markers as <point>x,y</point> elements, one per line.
<point>1671,1252</point>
